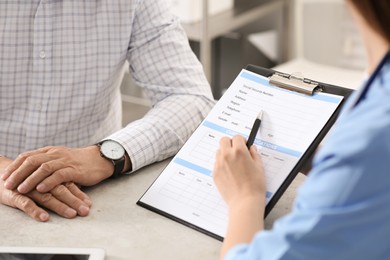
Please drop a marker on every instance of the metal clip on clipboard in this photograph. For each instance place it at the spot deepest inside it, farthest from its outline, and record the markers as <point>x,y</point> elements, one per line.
<point>294,82</point>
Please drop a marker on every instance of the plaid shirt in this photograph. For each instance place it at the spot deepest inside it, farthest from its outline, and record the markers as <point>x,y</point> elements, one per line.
<point>60,67</point>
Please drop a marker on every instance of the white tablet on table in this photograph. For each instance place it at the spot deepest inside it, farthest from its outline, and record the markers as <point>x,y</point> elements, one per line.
<point>51,253</point>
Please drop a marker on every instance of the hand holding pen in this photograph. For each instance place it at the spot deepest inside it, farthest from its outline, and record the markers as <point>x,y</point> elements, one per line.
<point>239,172</point>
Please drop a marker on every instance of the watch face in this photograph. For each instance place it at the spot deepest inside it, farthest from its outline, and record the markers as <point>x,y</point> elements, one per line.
<point>112,150</point>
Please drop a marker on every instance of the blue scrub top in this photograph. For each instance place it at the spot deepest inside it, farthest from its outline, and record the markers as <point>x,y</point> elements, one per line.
<point>342,211</point>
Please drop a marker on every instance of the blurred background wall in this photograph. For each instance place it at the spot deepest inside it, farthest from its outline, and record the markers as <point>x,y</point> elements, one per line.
<point>306,34</point>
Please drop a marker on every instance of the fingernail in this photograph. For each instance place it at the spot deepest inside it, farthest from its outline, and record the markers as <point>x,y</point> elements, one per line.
<point>88,202</point>
<point>22,188</point>
<point>44,217</point>
<point>9,184</point>
<point>41,187</point>
<point>70,213</point>
<point>83,210</point>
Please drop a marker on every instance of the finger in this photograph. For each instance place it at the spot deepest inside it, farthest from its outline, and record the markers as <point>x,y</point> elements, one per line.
<point>60,176</point>
<point>19,160</point>
<point>223,153</point>
<point>43,171</point>
<point>15,164</point>
<point>78,193</point>
<point>239,146</point>
<point>63,194</point>
<point>239,141</point>
<point>26,165</point>
<point>225,142</point>
<point>47,200</point>
<point>26,205</point>
<point>4,162</point>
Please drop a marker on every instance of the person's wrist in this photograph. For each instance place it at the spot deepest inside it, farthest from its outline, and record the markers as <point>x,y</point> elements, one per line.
<point>246,200</point>
<point>102,163</point>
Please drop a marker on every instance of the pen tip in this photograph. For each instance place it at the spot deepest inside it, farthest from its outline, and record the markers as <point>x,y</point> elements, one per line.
<point>260,115</point>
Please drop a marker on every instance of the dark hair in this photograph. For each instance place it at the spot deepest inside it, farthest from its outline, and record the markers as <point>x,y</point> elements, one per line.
<point>377,15</point>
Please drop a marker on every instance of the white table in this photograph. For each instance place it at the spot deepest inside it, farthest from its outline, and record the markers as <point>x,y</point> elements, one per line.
<point>118,225</point>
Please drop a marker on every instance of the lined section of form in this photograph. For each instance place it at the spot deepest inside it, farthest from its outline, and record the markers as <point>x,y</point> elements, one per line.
<point>206,149</point>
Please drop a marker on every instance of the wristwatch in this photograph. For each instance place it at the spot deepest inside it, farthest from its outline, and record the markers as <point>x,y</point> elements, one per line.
<point>114,152</point>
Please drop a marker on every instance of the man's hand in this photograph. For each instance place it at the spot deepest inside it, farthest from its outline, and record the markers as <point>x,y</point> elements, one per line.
<point>48,167</point>
<point>70,194</point>
<point>66,200</point>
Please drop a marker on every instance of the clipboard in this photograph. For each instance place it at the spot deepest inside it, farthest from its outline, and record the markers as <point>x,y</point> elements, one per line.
<point>167,195</point>
<point>308,87</point>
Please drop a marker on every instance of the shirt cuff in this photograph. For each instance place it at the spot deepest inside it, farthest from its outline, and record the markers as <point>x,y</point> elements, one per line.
<point>236,251</point>
<point>142,143</point>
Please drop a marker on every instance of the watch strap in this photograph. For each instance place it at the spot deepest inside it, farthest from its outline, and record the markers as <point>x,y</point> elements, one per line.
<point>118,167</point>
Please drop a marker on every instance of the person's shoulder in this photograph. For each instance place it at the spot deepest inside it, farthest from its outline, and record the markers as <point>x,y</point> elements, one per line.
<point>364,132</point>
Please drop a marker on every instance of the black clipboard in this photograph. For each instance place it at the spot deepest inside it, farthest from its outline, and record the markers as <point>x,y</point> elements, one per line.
<point>309,86</point>
<point>291,82</point>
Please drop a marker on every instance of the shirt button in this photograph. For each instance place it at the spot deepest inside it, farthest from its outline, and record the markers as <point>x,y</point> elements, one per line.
<point>42,54</point>
<point>38,106</point>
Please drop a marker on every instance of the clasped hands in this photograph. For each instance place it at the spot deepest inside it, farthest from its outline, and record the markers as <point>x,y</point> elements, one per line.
<point>49,178</point>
